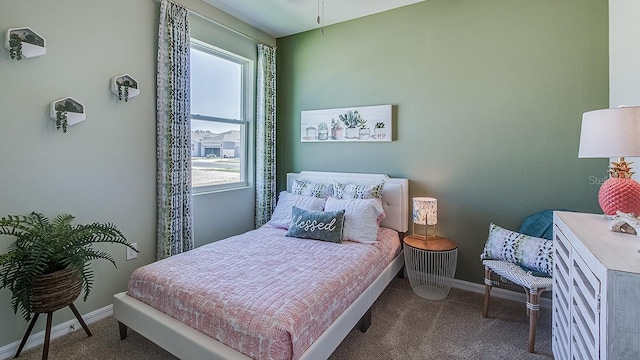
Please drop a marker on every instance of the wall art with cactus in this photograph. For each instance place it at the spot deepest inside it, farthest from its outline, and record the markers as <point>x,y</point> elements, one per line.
<point>357,124</point>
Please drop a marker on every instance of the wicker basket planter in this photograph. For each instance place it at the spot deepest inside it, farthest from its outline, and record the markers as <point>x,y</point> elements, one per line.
<point>54,291</point>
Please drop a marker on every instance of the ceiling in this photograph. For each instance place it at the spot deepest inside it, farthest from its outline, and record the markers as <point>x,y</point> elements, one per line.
<point>280,18</point>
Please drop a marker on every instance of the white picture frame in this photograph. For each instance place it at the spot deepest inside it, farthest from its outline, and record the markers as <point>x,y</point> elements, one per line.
<point>352,124</point>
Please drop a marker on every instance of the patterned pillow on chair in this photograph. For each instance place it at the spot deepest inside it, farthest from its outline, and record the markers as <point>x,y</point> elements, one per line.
<point>527,251</point>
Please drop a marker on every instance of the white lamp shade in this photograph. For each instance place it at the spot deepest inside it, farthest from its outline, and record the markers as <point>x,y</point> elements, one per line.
<point>610,133</point>
<point>425,211</point>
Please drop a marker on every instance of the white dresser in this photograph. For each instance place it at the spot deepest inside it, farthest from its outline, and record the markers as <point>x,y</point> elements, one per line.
<point>596,289</point>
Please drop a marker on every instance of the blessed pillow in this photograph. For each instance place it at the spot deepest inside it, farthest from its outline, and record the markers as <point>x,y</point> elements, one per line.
<point>281,217</point>
<point>353,191</point>
<point>306,188</point>
<point>360,218</point>
<point>317,225</point>
<point>529,252</point>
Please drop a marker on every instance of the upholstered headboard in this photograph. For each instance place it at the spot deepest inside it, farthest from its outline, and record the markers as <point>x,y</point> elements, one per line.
<point>395,194</point>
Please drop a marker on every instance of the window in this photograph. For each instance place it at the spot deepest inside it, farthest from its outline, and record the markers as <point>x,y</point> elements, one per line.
<point>220,87</point>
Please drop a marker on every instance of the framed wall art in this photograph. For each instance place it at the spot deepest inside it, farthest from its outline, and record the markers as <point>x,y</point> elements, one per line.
<point>357,124</point>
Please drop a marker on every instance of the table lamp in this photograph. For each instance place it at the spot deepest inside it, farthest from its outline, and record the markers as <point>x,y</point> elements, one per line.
<point>425,212</point>
<point>614,133</point>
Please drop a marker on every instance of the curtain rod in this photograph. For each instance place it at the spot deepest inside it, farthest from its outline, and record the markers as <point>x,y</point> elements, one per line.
<point>226,27</point>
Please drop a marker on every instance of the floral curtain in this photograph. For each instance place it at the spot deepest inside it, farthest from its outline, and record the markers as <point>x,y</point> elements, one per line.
<point>173,125</point>
<point>266,135</point>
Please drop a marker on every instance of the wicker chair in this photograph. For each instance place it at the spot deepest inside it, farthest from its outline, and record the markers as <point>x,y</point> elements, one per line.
<point>499,273</point>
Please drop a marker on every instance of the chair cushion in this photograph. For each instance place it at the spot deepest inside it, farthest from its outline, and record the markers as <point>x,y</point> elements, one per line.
<point>532,253</point>
<point>517,275</point>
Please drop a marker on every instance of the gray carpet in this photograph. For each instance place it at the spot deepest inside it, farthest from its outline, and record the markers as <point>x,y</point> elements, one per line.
<point>404,326</point>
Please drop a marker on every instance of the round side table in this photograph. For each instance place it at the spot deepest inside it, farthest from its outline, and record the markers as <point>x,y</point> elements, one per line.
<point>431,265</point>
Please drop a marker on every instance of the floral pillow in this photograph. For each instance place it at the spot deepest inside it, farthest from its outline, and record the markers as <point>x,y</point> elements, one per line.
<point>353,191</point>
<point>281,217</point>
<point>317,225</point>
<point>306,188</point>
<point>529,252</point>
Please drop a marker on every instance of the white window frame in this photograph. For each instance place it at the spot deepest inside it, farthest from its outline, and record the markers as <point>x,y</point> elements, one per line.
<point>247,111</point>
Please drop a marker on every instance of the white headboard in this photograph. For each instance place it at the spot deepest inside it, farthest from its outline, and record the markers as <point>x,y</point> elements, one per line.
<point>395,193</point>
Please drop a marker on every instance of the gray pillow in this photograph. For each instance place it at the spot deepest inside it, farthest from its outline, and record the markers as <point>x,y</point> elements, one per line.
<point>317,225</point>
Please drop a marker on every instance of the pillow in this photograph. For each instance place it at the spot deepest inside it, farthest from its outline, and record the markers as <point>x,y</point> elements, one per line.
<point>317,225</point>
<point>360,218</point>
<point>306,188</point>
<point>281,217</point>
<point>353,191</point>
<point>529,252</point>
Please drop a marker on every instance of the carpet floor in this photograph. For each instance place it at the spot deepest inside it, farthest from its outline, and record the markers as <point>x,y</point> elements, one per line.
<point>404,326</point>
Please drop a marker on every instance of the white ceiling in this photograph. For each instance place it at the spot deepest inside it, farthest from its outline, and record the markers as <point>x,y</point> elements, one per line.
<point>280,18</point>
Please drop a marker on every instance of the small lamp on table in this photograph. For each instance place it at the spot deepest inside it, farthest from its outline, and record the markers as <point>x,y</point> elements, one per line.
<point>425,212</point>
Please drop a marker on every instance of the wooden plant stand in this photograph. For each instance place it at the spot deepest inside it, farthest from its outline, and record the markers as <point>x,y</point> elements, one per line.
<point>49,293</point>
<point>47,333</point>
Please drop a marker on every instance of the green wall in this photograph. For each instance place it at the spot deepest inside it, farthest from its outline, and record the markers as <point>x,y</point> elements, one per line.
<point>102,169</point>
<point>488,98</point>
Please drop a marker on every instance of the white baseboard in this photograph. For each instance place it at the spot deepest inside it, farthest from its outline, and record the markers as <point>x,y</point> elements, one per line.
<point>498,292</point>
<point>9,351</point>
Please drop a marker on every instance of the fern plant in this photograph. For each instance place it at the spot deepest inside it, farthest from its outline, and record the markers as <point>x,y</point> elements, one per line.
<point>42,247</point>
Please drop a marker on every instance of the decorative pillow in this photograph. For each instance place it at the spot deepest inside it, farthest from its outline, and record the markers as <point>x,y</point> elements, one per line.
<point>529,252</point>
<point>311,189</point>
<point>360,218</point>
<point>317,225</point>
<point>353,191</point>
<point>281,217</point>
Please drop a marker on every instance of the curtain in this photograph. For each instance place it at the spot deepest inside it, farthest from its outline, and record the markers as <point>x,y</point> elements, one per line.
<point>266,135</point>
<point>173,140</point>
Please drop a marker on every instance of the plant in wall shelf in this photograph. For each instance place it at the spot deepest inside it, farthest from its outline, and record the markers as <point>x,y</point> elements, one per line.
<point>50,261</point>
<point>126,84</point>
<point>24,43</point>
<point>67,112</point>
<point>15,44</point>
<point>125,87</point>
<point>61,113</point>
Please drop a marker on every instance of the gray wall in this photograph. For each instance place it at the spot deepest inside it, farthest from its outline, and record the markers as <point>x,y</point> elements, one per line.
<point>102,169</point>
<point>488,100</point>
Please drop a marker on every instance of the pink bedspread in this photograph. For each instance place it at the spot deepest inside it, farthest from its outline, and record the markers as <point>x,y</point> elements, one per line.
<point>266,295</point>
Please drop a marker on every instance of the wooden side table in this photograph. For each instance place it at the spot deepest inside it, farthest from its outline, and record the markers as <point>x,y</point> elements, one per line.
<point>431,265</point>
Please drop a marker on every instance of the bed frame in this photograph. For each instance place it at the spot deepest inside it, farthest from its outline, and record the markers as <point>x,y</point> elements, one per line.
<point>188,343</point>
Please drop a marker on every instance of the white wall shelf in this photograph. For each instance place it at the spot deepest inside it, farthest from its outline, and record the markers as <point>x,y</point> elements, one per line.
<point>29,43</point>
<point>125,87</point>
<point>71,112</point>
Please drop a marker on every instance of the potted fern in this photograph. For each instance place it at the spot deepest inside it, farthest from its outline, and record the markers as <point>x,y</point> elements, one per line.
<point>49,262</point>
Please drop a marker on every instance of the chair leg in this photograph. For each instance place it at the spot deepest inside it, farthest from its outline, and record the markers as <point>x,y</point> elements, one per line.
<point>487,291</point>
<point>533,307</point>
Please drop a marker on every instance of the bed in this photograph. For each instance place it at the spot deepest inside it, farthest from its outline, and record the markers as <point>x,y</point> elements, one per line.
<point>155,308</point>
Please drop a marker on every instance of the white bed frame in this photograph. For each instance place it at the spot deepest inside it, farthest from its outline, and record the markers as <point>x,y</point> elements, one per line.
<point>187,343</point>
